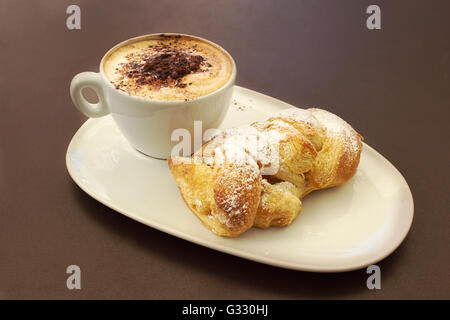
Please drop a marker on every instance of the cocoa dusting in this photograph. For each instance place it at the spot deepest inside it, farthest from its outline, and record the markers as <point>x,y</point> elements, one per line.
<point>239,107</point>
<point>166,66</point>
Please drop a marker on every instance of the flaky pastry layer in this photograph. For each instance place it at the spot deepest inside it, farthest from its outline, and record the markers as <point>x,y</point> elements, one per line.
<point>257,175</point>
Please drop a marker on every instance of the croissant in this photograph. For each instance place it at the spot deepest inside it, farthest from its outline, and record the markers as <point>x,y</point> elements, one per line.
<point>256,175</point>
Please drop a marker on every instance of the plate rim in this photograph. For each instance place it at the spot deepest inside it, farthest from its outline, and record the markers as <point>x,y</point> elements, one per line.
<point>236,252</point>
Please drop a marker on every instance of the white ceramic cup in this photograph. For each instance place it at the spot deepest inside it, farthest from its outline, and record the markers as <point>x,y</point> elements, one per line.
<point>148,124</point>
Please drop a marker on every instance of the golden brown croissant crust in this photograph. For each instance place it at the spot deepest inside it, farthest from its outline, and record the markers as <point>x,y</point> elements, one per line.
<point>256,175</point>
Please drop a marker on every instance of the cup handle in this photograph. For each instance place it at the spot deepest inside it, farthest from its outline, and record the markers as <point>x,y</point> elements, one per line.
<point>88,80</point>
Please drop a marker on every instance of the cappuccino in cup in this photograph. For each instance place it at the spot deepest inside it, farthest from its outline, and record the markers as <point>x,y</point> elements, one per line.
<point>169,67</point>
<point>155,84</point>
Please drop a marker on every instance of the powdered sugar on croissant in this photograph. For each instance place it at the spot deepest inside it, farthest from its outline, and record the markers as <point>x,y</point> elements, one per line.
<point>257,175</point>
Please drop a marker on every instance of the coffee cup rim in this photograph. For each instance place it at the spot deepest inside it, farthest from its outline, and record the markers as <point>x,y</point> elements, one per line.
<point>148,36</point>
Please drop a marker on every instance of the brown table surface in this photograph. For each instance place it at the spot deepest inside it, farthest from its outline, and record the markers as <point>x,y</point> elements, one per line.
<point>392,84</point>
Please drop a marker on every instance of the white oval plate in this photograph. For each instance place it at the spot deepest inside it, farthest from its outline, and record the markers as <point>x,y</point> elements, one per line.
<point>339,229</point>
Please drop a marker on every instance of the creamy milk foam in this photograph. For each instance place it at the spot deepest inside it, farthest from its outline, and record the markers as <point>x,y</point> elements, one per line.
<point>168,67</point>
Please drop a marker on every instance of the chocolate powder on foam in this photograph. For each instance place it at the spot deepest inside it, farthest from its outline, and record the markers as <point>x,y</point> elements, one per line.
<point>165,67</point>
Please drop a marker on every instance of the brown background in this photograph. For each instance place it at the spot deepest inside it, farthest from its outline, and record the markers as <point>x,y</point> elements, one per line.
<point>393,85</point>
